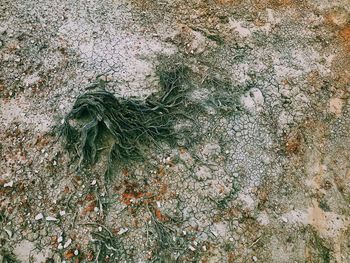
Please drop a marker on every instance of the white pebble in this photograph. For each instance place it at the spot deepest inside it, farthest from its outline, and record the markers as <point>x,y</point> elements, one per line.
<point>122,231</point>
<point>8,232</point>
<point>51,218</point>
<point>39,216</point>
<point>255,259</point>
<point>93,182</point>
<point>60,246</point>
<point>9,184</point>
<point>62,213</point>
<point>191,248</point>
<point>67,244</point>
<point>59,239</point>
<point>76,252</point>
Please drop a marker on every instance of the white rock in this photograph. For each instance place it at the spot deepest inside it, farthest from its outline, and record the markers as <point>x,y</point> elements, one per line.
<point>191,248</point>
<point>76,252</point>
<point>93,182</point>
<point>39,216</point>
<point>60,246</point>
<point>204,248</point>
<point>59,239</point>
<point>62,213</point>
<point>158,204</point>
<point>122,231</point>
<point>67,244</point>
<point>51,218</point>
<point>9,184</point>
<point>255,259</point>
<point>8,232</point>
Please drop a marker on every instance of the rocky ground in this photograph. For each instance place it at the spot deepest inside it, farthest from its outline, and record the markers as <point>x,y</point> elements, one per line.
<point>263,173</point>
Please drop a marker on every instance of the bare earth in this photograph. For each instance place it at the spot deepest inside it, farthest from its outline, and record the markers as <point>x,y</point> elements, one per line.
<point>266,177</point>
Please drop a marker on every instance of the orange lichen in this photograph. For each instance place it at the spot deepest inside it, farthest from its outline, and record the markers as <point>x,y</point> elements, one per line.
<point>69,254</point>
<point>89,208</point>
<point>345,36</point>
<point>159,215</point>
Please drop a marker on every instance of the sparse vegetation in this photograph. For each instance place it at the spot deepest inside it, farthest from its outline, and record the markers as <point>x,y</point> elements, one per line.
<point>7,256</point>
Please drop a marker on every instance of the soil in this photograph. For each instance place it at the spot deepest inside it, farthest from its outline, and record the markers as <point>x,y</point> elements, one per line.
<point>260,173</point>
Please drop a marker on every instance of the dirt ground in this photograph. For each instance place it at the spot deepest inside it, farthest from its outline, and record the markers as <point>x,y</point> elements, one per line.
<point>263,173</point>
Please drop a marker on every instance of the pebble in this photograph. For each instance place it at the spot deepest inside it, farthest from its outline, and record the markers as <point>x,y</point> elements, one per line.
<point>9,184</point>
<point>60,246</point>
<point>59,239</point>
<point>39,216</point>
<point>62,213</point>
<point>93,182</point>
<point>8,232</point>
<point>51,218</point>
<point>122,231</point>
<point>191,248</point>
<point>67,244</point>
<point>204,248</point>
<point>255,259</point>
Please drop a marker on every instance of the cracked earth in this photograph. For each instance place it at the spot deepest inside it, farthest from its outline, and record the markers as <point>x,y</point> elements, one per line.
<point>264,174</point>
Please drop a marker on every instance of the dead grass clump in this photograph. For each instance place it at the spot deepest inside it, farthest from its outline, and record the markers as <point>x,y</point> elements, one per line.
<point>132,123</point>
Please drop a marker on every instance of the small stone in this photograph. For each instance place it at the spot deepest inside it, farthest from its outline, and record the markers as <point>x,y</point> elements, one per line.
<point>191,248</point>
<point>60,246</point>
<point>255,259</point>
<point>99,228</point>
<point>8,232</point>
<point>9,184</point>
<point>158,204</point>
<point>67,244</point>
<point>76,252</point>
<point>59,239</point>
<point>51,218</point>
<point>93,182</point>
<point>204,248</point>
<point>122,231</point>
<point>96,209</point>
<point>285,220</point>
<point>62,213</point>
<point>39,216</point>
